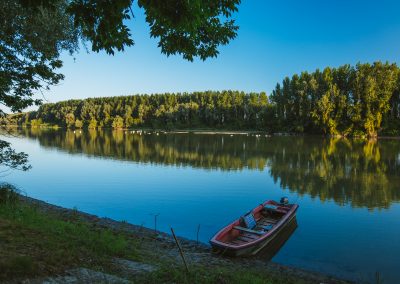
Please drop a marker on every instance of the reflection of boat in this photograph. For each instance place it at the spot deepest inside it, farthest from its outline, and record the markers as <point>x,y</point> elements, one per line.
<point>273,247</point>
<point>255,230</point>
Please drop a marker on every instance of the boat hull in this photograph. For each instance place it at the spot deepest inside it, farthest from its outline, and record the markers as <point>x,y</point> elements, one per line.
<point>254,247</point>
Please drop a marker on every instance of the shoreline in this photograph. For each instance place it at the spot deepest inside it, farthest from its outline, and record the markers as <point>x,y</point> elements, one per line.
<point>198,253</point>
<point>208,132</point>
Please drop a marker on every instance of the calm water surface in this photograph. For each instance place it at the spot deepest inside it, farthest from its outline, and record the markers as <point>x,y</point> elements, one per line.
<point>348,223</point>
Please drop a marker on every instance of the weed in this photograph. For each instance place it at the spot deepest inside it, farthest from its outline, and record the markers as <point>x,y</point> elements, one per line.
<point>9,194</point>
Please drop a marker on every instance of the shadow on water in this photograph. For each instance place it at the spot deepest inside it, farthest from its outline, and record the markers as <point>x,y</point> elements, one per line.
<point>273,247</point>
<point>363,173</point>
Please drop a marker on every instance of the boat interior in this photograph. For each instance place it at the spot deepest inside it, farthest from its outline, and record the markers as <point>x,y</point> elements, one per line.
<point>253,225</point>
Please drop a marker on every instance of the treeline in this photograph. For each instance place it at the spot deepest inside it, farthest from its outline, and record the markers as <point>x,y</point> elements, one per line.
<point>364,99</point>
<point>227,109</point>
<point>359,100</point>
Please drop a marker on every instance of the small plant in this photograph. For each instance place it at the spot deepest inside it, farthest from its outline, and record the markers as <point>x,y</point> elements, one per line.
<point>75,214</point>
<point>9,194</point>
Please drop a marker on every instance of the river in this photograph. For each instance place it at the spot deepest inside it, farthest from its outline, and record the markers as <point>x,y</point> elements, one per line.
<point>348,222</point>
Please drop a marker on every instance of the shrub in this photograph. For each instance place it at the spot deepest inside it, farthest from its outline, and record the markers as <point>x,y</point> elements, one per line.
<point>8,194</point>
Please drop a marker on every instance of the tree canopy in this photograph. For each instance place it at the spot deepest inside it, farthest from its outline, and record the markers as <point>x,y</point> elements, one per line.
<point>33,34</point>
<point>348,100</point>
<point>223,110</point>
<point>361,100</point>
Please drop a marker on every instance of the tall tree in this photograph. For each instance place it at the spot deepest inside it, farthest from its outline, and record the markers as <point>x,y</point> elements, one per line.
<point>33,33</point>
<point>347,100</point>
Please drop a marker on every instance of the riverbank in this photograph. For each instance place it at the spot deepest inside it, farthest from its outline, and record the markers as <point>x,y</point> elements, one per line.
<point>204,131</point>
<point>147,130</point>
<point>41,242</point>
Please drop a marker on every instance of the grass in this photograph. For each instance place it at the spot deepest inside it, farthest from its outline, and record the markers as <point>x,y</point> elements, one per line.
<point>77,234</point>
<point>35,243</point>
<point>201,274</point>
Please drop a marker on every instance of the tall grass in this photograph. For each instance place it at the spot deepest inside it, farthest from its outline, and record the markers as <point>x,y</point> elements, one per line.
<point>78,234</point>
<point>56,242</point>
<point>9,194</point>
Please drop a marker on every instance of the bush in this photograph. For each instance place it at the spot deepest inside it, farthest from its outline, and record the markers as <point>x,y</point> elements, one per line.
<point>8,194</point>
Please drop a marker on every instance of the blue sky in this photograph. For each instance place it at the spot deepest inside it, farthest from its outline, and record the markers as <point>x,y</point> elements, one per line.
<point>275,39</point>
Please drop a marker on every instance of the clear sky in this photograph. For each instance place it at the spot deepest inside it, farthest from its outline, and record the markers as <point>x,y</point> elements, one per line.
<point>275,39</point>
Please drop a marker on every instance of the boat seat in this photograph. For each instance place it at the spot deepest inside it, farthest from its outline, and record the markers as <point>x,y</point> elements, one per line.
<point>249,221</point>
<point>266,227</point>
<point>248,230</point>
<point>250,224</point>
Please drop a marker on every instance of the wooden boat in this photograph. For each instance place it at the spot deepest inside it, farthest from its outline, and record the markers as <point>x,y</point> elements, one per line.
<point>275,245</point>
<point>252,232</point>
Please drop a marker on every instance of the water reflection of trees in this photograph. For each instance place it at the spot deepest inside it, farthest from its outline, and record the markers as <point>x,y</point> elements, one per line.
<point>365,173</point>
<point>360,172</point>
<point>202,151</point>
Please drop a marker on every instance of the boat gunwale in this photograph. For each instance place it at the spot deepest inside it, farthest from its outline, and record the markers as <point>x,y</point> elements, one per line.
<point>279,224</point>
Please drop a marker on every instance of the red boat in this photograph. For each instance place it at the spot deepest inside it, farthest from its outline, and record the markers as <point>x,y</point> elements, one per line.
<point>253,231</point>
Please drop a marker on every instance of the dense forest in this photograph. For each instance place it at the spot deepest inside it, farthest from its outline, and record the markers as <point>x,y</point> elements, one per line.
<point>348,100</point>
<point>364,99</point>
<point>227,109</point>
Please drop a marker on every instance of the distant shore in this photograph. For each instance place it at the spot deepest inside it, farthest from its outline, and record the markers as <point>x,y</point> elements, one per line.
<point>264,133</point>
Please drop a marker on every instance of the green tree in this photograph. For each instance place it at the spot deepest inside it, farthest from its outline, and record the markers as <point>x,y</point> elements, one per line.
<point>337,101</point>
<point>29,62</point>
<point>92,124</point>
<point>324,111</point>
<point>34,33</point>
<point>78,123</point>
<point>118,122</point>
<point>12,159</point>
<point>70,120</point>
<point>344,100</point>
